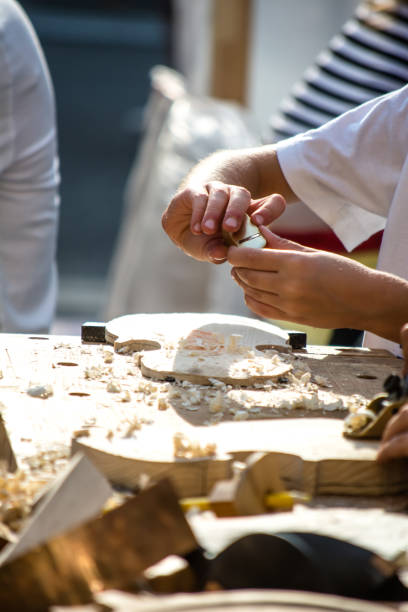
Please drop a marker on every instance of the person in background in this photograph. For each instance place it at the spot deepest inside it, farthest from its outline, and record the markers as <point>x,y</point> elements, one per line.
<point>29,178</point>
<point>394,443</point>
<point>353,172</point>
<point>368,58</point>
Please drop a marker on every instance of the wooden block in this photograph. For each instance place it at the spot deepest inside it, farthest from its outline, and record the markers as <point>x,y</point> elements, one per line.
<point>222,498</point>
<point>245,494</point>
<point>314,457</point>
<point>125,463</point>
<point>76,496</point>
<point>93,331</point>
<point>260,477</point>
<point>156,333</point>
<point>107,552</point>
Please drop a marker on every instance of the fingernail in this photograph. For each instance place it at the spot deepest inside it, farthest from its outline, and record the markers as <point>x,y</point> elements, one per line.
<point>231,223</point>
<point>209,224</point>
<point>197,228</point>
<point>258,219</point>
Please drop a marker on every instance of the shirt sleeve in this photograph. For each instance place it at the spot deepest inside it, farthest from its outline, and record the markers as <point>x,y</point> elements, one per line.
<point>29,179</point>
<point>347,170</point>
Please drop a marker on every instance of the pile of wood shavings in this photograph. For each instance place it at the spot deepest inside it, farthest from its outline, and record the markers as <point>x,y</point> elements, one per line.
<point>17,495</point>
<point>184,448</point>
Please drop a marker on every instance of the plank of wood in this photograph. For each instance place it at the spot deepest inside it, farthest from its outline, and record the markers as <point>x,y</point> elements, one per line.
<point>312,455</point>
<point>240,601</point>
<point>69,568</point>
<point>77,495</point>
<point>347,370</point>
<point>126,463</point>
<point>230,49</point>
<point>179,338</point>
<point>166,328</point>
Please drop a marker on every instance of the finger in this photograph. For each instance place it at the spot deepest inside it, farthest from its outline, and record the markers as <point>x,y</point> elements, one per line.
<point>204,248</point>
<point>266,210</point>
<point>395,448</point>
<point>273,241</point>
<point>237,207</point>
<point>227,205</point>
<point>267,311</point>
<point>397,424</point>
<point>269,260</point>
<point>199,201</point>
<point>176,218</point>
<point>218,197</point>
<point>404,344</point>
<point>255,279</point>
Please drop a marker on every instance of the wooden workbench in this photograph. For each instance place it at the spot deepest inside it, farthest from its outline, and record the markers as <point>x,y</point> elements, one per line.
<point>97,393</point>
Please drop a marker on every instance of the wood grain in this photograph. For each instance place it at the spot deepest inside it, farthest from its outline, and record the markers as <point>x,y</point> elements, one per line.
<point>240,601</point>
<point>69,568</point>
<point>312,455</point>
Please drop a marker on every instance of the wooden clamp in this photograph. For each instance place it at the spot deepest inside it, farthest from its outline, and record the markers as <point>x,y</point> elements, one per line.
<point>254,490</point>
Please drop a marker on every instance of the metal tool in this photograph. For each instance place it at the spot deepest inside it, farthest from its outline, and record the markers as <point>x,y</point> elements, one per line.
<point>248,235</point>
<point>370,421</point>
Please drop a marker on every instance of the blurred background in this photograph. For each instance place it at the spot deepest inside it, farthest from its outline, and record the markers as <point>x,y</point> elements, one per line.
<point>100,54</point>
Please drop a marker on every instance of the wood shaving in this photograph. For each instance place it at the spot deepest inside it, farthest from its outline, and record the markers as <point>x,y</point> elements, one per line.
<point>113,386</point>
<point>125,396</point>
<point>94,372</point>
<point>184,448</point>
<point>108,356</point>
<point>216,404</point>
<point>162,403</point>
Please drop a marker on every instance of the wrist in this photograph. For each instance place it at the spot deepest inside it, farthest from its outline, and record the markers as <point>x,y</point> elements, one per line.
<point>387,305</point>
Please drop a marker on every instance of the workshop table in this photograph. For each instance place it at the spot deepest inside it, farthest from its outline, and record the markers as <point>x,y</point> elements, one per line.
<point>56,391</point>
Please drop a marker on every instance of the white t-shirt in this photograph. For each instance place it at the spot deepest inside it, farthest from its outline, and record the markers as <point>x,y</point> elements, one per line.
<point>29,178</point>
<point>353,172</point>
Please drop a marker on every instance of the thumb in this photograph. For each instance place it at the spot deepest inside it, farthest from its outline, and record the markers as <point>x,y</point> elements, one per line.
<point>273,241</point>
<point>404,344</point>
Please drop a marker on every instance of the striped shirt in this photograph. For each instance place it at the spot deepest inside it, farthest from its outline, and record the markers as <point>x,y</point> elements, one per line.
<point>367,59</point>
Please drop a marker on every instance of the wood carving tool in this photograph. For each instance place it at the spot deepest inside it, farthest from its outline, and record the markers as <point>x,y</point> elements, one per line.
<point>248,235</point>
<point>370,422</point>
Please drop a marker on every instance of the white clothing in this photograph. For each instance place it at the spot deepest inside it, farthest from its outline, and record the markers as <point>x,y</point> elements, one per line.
<point>353,172</point>
<point>29,178</point>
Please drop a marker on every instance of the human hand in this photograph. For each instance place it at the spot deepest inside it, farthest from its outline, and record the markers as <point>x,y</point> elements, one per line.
<point>197,214</point>
<point>394,442</point>
<point>287,281</point>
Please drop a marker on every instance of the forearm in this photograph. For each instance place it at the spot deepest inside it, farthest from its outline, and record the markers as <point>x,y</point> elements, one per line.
<point>256,169</point>
<point>387,305</point>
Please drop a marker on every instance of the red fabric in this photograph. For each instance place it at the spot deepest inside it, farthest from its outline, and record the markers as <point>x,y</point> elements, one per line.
<point>326,240</point>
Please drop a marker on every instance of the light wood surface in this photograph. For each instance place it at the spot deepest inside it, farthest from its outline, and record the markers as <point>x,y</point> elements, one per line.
<point>127,434</point>
<point>103,405</point>
<point>241,601</point>
<point>312,455</point>
<point>110,551</point>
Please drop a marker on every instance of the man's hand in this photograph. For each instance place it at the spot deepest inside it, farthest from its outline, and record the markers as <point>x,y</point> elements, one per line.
<point>196,216</point>
<point>394,442</point>
<point>288,281</point>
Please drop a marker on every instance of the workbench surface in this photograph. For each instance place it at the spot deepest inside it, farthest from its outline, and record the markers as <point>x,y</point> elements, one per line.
<point>94,391</point>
